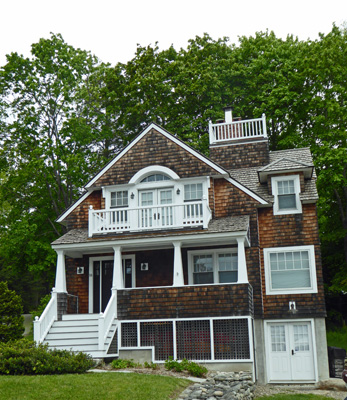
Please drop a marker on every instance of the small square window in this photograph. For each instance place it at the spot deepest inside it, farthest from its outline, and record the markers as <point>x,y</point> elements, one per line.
<point>119,199</point>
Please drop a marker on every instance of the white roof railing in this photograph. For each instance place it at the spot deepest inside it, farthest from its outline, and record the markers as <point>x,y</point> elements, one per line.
<point>237,130</point>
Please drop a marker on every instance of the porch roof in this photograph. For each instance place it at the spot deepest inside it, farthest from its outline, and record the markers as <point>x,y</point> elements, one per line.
<point>234,224</point>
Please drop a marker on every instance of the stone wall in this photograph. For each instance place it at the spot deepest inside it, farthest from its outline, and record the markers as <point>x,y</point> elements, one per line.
<point>222,385</point>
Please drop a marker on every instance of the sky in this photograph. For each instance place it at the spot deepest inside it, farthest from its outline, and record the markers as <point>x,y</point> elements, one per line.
<point>111,29</point>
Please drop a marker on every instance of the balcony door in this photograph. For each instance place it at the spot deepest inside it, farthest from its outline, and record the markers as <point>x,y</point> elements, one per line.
<point>101,277</point>
<point>156,210</point>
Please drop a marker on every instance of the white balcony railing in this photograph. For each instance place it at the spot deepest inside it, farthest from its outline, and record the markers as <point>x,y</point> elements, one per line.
<point>237,130</point>
<point>173,216</point>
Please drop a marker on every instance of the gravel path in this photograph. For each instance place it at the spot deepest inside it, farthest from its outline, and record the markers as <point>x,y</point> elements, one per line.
<point>269,390</point>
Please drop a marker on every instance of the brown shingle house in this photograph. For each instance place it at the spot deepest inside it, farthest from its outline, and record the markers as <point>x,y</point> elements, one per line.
<point>217,260</point>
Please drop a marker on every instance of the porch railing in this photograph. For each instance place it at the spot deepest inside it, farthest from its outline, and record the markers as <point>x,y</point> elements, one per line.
<point>106,320</point>
<point>237,130</point>
<point>195,213</point>
<point>43,324</point>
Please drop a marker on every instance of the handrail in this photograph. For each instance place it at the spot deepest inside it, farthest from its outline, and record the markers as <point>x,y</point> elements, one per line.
<point>165,216</point>
<point>237,130</point>
<point>106,319</point>
<point>43,324</point>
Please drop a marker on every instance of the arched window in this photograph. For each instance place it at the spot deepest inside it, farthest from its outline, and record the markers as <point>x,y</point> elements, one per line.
<point>156,178</point>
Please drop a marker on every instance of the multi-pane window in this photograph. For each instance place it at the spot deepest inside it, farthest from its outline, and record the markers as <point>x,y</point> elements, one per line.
<point>119,199</point>
<point>286,191</point>
<point>156,178</point>
<point>286,195</point>
<point>290,270</point>
<point>214,267</point>
<point>193,192</point>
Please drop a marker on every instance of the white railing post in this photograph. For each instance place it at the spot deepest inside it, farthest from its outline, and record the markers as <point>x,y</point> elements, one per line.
<point>43,324</point>
<point>90,221</point>
<point>178,278</point>
<point>263,117</point>
<point>241,261</point>
<point>211,133</point>
<point>101,325</point>
<point>206,212</point>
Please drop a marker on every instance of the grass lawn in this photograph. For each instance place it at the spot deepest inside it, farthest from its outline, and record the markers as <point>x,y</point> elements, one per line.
<point>91,386</point>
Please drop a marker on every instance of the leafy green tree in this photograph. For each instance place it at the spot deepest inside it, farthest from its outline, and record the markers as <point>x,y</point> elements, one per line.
<point>11,319</point>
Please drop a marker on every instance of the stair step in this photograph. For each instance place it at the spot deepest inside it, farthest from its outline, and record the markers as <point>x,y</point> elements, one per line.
<point>75,329</point>
<point>72,323</point>
<point>85,348</point>
<point>76,317</point>
<point>71,335</point>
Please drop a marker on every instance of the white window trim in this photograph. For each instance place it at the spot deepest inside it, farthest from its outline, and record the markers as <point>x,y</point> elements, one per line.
<point>313,276</point>
<point>214,253</point>
<point>274,186</point>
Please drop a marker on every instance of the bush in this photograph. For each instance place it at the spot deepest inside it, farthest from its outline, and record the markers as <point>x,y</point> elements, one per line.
<point>11,310</point>
<point>123,364</point>
<point>191,367</point>
<point>26,358</point>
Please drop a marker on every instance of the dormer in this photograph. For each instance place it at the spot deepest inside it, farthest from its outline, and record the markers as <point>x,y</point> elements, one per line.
<point>236,143</point>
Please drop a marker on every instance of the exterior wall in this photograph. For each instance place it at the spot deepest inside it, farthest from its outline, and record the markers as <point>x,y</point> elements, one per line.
<point>77,284</point>
<point>185,302</point>
<point>154,149</point>
<point>241,155</point>
<point>78,219</point>
<point>322,349</point>
<point>291,230</point>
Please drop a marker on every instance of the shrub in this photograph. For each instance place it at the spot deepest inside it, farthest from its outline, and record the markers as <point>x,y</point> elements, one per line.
<point>150,365</point>
<point>11,310</point>
<point>191,367</point>
<point>26,358</point>
<point>122,364</point>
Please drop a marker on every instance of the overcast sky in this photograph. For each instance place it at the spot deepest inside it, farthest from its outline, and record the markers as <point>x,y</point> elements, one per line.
<point>111,29</point>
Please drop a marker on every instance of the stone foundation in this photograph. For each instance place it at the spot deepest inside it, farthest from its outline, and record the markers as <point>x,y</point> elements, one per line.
<point>223,386</point>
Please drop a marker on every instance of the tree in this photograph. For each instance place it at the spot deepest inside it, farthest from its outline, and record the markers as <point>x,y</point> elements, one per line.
<point>46,154</point>
<point>11,319</point>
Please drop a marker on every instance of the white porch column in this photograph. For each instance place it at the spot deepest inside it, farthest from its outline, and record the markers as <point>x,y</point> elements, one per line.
<point>241,261</point>
<point>178,278</point>
<point>60,278</point>
<point>118,282</point>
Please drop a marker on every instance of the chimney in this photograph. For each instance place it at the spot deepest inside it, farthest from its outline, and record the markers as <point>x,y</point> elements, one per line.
<point>228,111</point>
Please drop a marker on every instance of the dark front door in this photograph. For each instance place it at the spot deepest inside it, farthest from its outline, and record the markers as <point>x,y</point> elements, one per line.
<point>102,284</point>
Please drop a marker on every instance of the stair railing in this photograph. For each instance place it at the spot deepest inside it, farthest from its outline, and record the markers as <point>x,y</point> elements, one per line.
<point>43,324</point>
<point>106,320</point>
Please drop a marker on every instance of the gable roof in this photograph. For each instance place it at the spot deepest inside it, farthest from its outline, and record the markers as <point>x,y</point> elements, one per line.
<point>92,184</point>
<point>164,132</point>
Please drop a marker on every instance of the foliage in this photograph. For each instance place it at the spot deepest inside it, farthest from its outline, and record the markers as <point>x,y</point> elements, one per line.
<point>91,386</point>
<point>337,337</point>
<point>150,365</point>
<point>27,358</point>
<point>121,363</point>
<point>11,320</point>
<point>191,367</point>
<point>42,305</point>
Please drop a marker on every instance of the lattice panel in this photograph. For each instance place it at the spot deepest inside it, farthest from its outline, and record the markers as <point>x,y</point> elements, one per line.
<point>129,334</point>
<point>113,349</point>
<point>159,335</point>
<point>231,339</point>
<point>193,340</point>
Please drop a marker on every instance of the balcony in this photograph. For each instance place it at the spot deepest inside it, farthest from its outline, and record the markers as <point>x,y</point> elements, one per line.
<point>237,130</point>
<point>159,217</point>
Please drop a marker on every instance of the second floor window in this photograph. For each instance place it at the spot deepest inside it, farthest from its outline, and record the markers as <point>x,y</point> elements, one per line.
<point>193,192</point>
<point>119,199</point>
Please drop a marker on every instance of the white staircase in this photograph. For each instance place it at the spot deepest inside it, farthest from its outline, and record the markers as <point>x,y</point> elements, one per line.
<point>80,332</point>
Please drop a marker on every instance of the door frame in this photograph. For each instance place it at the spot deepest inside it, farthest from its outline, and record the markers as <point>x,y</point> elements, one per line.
<point>91,276</point>
<point>267,324</point>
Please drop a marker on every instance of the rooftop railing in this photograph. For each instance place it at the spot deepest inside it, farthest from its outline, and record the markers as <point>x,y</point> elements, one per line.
<point>237,130</point>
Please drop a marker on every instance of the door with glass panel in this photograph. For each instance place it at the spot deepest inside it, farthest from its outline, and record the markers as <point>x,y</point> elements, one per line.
<point>156,210</point>
<point>290,352</point>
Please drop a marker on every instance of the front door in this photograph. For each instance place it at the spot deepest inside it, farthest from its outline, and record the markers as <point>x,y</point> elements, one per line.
<point>156,208</point>
<point>101,277</point>
<point>290,352</point>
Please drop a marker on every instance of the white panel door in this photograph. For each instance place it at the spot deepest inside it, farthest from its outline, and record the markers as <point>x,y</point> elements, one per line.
<point>156,208</point>
<point>290,352</point>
